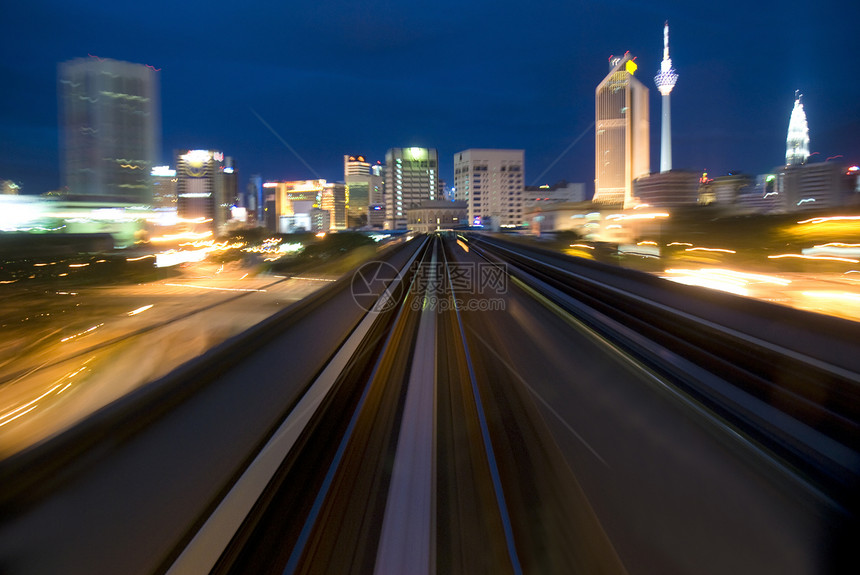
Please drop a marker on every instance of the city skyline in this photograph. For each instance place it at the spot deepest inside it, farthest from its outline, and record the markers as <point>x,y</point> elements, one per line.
<point>368,78</point>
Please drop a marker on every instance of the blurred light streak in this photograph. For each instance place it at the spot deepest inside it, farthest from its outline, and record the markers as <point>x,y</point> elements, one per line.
<point>698,249</point>
<point>837,296</point>
<point>86,331</point>
<point>463,245</point>
<point>585,246</point>
<point>140,258</point>
<point>828,219</point>
<point>650,216</point>
<point>214,288</point>
<point>181,236</point>
<point>679,244</point>
<point>140,309</point>
<point>803,257</point>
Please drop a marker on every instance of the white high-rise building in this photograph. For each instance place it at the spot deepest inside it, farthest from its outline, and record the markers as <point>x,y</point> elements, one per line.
<point>621,151</point>
<point>110,121</point>
<point>665,81</point>
<point>411,177</point>
<point>491,182</point>
<point>797,142</point>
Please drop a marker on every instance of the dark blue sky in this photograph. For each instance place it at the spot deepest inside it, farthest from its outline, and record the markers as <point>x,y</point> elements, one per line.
<point>335,77</point>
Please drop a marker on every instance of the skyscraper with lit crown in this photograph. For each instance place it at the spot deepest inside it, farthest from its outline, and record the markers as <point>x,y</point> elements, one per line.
<point>797,142</point>
<point>665,80</point>
<point>622,140</point>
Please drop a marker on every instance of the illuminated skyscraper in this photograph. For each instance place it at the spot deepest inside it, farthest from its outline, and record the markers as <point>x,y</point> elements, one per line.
<point>797,142</point>
<point>109,117</point>
<point>621,133</point>
<point>205,187</point>
<point>364,188</point>
<point>665,81</point>
<point>411,177</point>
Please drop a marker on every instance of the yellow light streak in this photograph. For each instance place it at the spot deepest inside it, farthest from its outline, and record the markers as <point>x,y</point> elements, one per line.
<point>829,219</point>
<point>699,249</point>
<point>834,295</point>
<point>585,246</point>
<point>214,288</point>
<point>803,257</point>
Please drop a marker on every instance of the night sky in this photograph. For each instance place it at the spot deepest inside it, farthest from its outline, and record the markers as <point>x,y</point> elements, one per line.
<point>334,78</point>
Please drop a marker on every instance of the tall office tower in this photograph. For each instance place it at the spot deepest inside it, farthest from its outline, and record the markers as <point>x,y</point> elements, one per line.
<point>109,117</point>
<point>797,142</point>
<point>491,184</point>
<point>363,186</point>
<point>205,187</point>
<point>665,81</point>
<point>621,133</point>
<point>411,177</point>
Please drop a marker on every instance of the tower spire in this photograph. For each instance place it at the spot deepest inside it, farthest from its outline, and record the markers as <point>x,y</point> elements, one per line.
<point>797,142</point>
<point>665,80</point>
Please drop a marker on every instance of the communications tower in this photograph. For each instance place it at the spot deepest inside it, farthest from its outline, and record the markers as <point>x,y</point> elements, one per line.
<point>665,81</point>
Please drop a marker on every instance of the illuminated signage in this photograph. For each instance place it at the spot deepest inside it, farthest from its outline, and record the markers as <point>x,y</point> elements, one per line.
<point>631,67</point>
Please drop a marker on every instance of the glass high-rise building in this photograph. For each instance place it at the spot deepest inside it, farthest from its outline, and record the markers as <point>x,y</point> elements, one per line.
<point>621,133</point>
<point>110,124</point>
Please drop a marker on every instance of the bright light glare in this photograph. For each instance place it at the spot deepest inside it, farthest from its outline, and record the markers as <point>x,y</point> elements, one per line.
<point>584,246</point>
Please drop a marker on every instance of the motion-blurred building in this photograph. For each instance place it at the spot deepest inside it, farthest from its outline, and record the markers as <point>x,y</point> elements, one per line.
<point>110,125</point>
<point>411,177</point>
<point>164,182</point>
<point>621,133</point>
<point>491,183</point>
<point>434,215</point>
<point>205,187</point>
<point>670,189</point>
<point>306,205</point>
<point>552,194</point>
<point>364,184</point>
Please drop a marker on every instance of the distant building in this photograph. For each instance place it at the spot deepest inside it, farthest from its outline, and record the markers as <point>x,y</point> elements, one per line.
<point>491,182</point>
<point>674,188</point>
<point>299,198</point>
<point>110,125</point>
<point>559,192</point>
<point>9,188</point>
<point>164,182</point>
<point>726,189</point>
<point>333,199</point>
<point>411,177</point>
<point>205,187</point>
<point>434,215</point>
<point>621,133</point>
<point>364,187</point>
<point>809,187</point>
